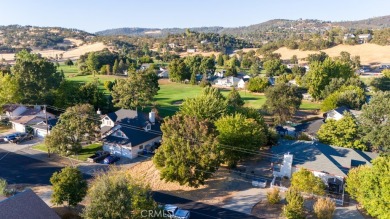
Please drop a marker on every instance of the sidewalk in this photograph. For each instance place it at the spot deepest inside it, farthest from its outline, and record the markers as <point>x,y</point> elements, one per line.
<point>245,200</point>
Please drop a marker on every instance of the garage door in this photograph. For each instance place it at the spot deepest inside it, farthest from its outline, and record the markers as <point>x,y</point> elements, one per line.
<point>41,133</point>
<point>118,151</point>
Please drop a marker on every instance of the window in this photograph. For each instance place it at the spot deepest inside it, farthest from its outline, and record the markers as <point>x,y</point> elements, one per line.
<point>148,127</point>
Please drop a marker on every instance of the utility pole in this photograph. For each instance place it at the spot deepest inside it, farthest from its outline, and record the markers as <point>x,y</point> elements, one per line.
<point>47,130</point>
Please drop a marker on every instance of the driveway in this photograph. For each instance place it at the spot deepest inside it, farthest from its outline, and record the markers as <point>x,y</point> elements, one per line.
<point>17,147</point>
<point>244,201</point>
<point>347,212</point>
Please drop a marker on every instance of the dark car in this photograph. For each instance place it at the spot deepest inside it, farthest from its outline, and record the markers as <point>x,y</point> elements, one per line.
<point>110,159</point>
<point>98,156</point>
<point>22,137</point>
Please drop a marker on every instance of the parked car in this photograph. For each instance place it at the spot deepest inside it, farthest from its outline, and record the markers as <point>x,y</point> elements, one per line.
<point>22,137</point>
<point>175,212</point>
<point>11,137</point>
<point>111,159</point>
<point>98,156</point>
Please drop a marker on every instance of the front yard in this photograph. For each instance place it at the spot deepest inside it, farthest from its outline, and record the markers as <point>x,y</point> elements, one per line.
<point>85,152</point>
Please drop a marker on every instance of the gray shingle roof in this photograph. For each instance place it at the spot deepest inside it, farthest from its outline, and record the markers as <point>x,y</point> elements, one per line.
<point>26,205</point>
<point>322,157</point>
<point>122,114</point>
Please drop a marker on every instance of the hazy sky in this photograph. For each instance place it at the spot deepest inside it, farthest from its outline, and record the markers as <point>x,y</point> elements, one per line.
<point>95,15</point>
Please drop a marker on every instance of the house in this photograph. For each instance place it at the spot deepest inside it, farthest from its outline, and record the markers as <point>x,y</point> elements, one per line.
<point>26,205</point>
<point>307,96</point>
<point>31,116</point>
<point>349,36</point>
<point>310,128</point>
<point>227,82</point>
<point>339,112</point>
<point>144,66</point>
<point>220,74</point>
<point>241,84</point>
<point>41,128</point>
<point>127,133</point>
<point>12,110</point>
<point>364,38</point>
<point>191,50</point>
<point>172,45</point>
<point>163,74</point>
<point>330,163</point>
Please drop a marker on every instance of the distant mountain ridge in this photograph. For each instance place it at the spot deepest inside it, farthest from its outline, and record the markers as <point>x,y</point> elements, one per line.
<point>276,25</point>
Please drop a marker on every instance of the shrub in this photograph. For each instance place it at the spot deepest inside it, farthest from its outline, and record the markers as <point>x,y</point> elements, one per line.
<point>305,181</point>
<point>273,196</point>
<point>304,137</point>
<point>3,187</point>
<point>324,208</point>
<point>294,207</point>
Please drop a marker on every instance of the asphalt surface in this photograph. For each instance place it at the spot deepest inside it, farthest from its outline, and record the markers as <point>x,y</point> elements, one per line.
<point>200,210</point>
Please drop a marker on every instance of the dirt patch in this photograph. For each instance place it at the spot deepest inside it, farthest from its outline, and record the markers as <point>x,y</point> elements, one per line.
<point>306,115</point>
<point>265,210</point>
<point>164,81</point>
<point>69,213</point>
<point>216,190</point>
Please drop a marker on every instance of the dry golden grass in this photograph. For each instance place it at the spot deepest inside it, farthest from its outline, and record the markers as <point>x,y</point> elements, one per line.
<point>185,54</point>
<point>216,190</point>
<point>369,53</point>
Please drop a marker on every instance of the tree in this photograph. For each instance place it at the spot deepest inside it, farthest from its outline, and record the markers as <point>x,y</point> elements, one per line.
<point>381,84</point>
<point>209,105</point>
<point>68,62</point>
<point>189,152</point>
<point>294,208</point>
<point>321,57</point>
<point>237,135</point>
<point>375,123</point>
<point>273,196</point>
<point>68,186</point>
<point>370,186</point>
<point>234,99</point>
<point>36,78</point>
<point>138,90</point>
<point>324,208</point>
<point>91,93</point>
<point>92,62</point>
<point>321,73</point>
<point>73,126</point>
<point>178,70</point>
<point>220,60</point>
<point>350,96</point>
<point>274,67</point>
<point>294,59</point>
<point>114,194</point>
<point>305,181</point>
<point>115,67</point>
<point>193,78</point>
<point>9,90</point>
<point>342,133</point>
<point>258,84</point>
<point>231,71</point>
<point>282,101</point>
<point>255,69</point>
<point>3,187</point>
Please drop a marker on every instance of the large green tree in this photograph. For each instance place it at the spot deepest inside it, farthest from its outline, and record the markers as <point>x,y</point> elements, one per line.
<point>115,195</point>
<point>189,152</point>
<point>370,186</point>
<point>258,84</point>
<point>76,124</point>
<point>36,78</point>
<point>282,101</point>
<point>9,90</point>
<point>234,99</point>
<point>178,70</point>
<point>238,135</point>
<point>68,186</point>
<point>274,67</point>
<point>321,73</point>
<point>138,90</point>
<point>350,96</point>
<point>342,133</point>
<point>375,122</point>
<point>209,105</point>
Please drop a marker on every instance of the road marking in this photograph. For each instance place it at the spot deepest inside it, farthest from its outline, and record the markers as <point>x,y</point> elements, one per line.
<point>5,155</point>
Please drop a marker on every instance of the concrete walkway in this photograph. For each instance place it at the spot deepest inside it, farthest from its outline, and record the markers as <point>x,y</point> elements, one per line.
<point>245,200</point>
<point>347,213</point>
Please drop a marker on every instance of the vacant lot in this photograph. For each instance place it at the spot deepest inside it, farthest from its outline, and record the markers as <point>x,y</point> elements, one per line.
<point>370,54</point>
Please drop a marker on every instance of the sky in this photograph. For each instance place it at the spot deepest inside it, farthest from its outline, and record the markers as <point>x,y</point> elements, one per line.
<point>95,15</point>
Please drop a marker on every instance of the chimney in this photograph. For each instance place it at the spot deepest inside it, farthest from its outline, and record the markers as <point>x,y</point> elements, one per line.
<point>99,112</point>
<point>152,117</point>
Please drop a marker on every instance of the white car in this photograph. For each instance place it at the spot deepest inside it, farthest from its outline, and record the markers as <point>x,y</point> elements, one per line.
<point>175,212</point>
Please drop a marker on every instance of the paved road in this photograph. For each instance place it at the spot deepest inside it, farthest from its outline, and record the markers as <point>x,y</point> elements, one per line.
<point>200,210</point>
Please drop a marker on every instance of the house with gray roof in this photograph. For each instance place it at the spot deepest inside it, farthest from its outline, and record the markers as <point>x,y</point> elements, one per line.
<point>330,163</point>
<point>127,133</point>
<point>26,205</point>
<point>339,112</point>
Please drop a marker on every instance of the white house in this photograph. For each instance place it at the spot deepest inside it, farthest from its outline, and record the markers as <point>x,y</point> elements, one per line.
<point>127,133</point>
<point>31,116</point>
<point>41,129</point>
<point>349,36</point>
<point>220,74</point>
<point>227,82</point>
<point>172,45</point>
<point>13,110</point>
<point>163,74</point>
<point>191,50</point>
<point>339,112</point>
<point>241,84</point>
<point>364,38</point>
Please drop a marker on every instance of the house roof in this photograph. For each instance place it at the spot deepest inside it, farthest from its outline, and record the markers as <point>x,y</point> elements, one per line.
<point>311,127</point>
<point>26,205</point>
<point>42,125</point>
<point>341,110</point>
<point>11,107</point>
<point>122,114</point>
<point>322,157</point>
<point>25,119</point>
<point>135,136</point>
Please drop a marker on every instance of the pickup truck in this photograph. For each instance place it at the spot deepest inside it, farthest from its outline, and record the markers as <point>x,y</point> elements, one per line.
<point>22,137</point>
<point>98,156</point>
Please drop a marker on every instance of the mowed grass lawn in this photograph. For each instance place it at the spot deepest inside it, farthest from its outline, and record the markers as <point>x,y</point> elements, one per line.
<point>85,152</point>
